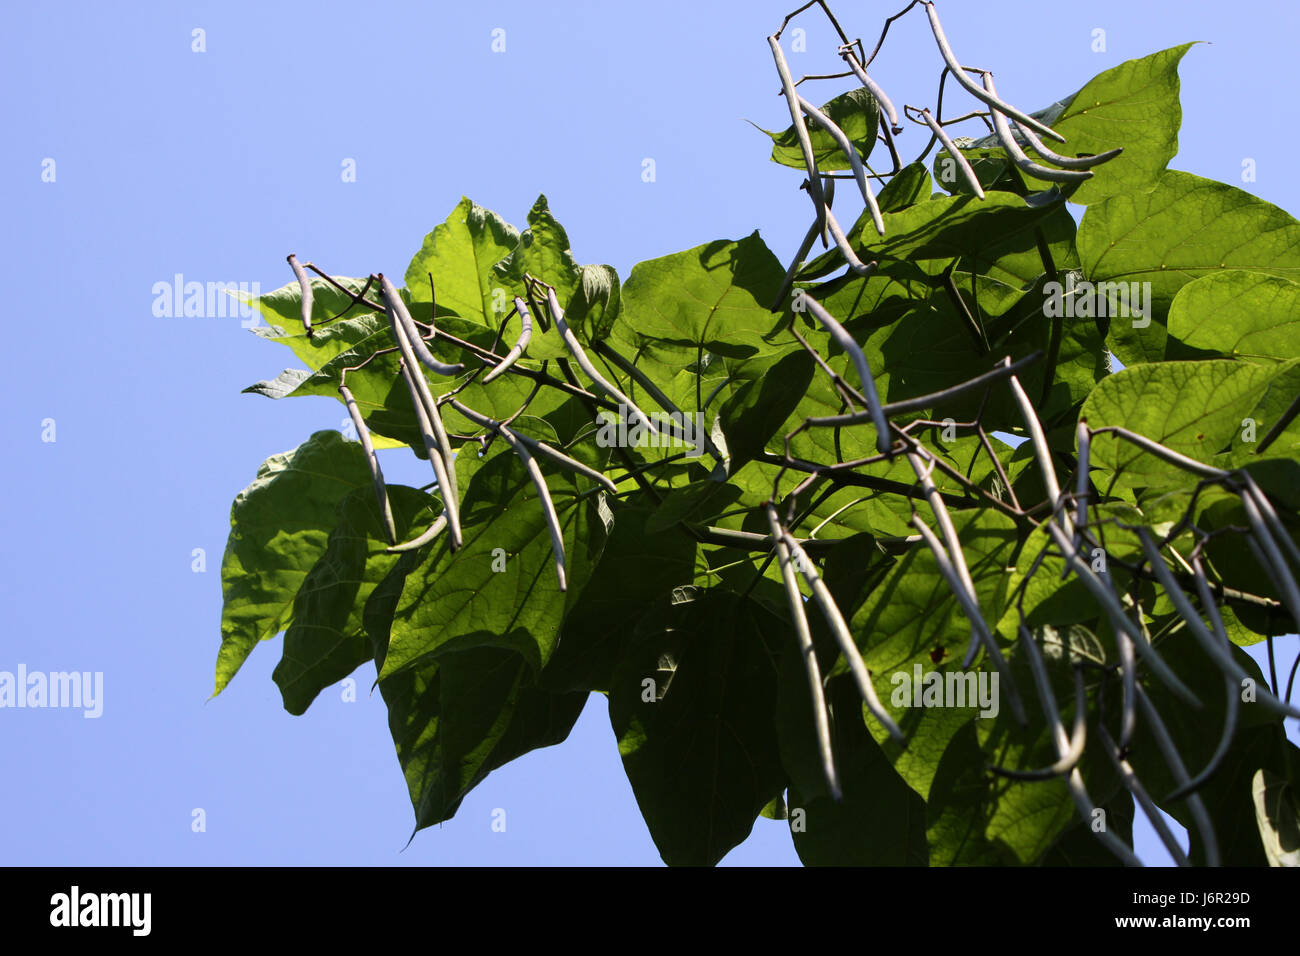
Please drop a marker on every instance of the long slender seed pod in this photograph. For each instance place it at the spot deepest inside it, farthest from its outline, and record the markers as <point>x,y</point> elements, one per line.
<point>438,527</point>
<point>798,614</point>
<point>851,154</point>
<point>585,363</point>
<point>1286,418</point>
<point>544,497</point>
<point>410,345</point>
<point>1083,439</point>
<point>1270,557</point>
<point>398,307</point>
<point>958,157</point>
<point>1068,747</point>
<point>970,86</point>
<point>1134,786</point>
<point>1042,452</point>
<point>796,263</point>
<point>800,129</point>
<point>1065,162</point>
<point>1102,592</point>
<point>865,378</point>
<point>1128,691</point>
<point>1176,766</point>
<point>521,343</point>
<point>304,285</point>
<point>539,447</point>
<point>1270,516</point>
<point>431,428</point>
<point>1167,455</point>
<point>1021,158</point>
<point>846,248</point>
<point>1215,646</point>
<point>830,610</point>
<point>971,609</point>
<point>873,88</point>
<point>1084,804</point>
<point>376,475</point>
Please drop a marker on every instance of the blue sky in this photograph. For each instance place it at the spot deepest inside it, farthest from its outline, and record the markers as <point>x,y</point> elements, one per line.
<point>215,165</point>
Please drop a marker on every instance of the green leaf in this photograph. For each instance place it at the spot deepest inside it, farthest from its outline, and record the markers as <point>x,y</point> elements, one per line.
<point>715,297</point>
<point>461,254</point>
<point>880,821</point>
<point>1278,816</point>
<point>854,112</point>
<point>1134,105</point>
<point>909,186</point>
<point>327,641</point>
<point>754,415</point>
<point>279,528</point>
<point>1184,228</point>
<point>1242,315</point>
<point>699,743</point>
<point>456,720</point>
<point>500,589</point>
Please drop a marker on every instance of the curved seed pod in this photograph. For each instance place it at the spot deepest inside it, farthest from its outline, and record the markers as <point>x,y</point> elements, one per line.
<point>846,248</point>
<point>544,497</point>
<point>525,336</point>
<point>585,363</point>
<point>851,154</point>
<point>1102,592</point>
<point>1167,455</point>
<point>1018,155</point>
<point>1176,766</point>
<point>1083,439</point>
<point>540,447</point>
<point>304,284</point>
<point>439,525</point>
<point>1068,747</point>
<point>873,88</point>
<point>831,611</point>
<point>800,130</point>
<point>1216,645</point>
<point>952,543</point>
<point>431,428</point>
<point>969,85</point>
<point>1270,515</point>
<point>971,609</point>
<point>1128,674</point>
<point>797,262</point>
<point>376,475</point>
<point>1078,740</point>
<point>1269,556</point>
<point>1134,786</point>
<point>1043,453</point>
<point>865,378</point>
<point>1066,162</point>
<point>957,155</point>
<point>809,655</point>
<point>1220,752</point>
<point>397,306</point>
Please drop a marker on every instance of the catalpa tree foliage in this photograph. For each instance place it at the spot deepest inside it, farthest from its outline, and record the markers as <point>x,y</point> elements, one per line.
<point>877,543</point>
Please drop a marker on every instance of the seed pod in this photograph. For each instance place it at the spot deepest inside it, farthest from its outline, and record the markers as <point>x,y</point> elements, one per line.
<point>865,379</point>
<point>1042,452</point>
<point>525,336</point>
<point>851,154</point>
<point>1018,155</point>
<point>1069,748</point>
<point>800,129</point>
<point>1066,162</point>
<point>1167,455</point>
<point>304,285</point>
<point>585,363</point>
<point>873,88</point>
<point>1134,786</point>
<point>376,475</point>
<point>821,720</point>
<point>403,314</point>
<point>969,85</point>
<point>439,525</point>
<point>544,497</point>
<point>840,629</point>
<point>957,155</point>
